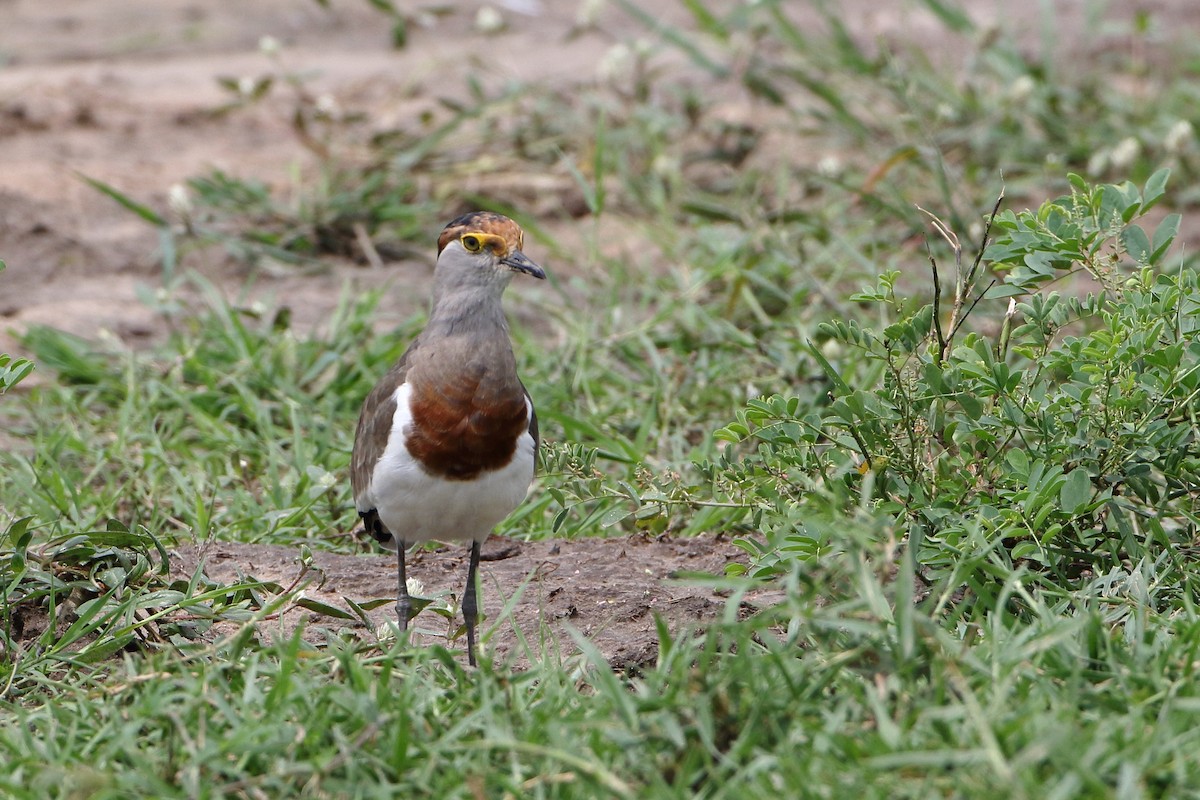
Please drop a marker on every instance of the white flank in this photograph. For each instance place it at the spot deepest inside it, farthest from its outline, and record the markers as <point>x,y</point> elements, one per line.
<point>416,506</point>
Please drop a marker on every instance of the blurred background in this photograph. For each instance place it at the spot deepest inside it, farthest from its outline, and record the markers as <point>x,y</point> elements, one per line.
<point>298,135</point>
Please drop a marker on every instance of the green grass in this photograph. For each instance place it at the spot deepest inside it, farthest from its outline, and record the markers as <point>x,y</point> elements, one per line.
<point>981,539</point>
<point>869,705</point>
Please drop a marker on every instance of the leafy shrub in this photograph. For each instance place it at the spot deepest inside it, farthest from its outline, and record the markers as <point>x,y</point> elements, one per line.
<point>1059,435</point>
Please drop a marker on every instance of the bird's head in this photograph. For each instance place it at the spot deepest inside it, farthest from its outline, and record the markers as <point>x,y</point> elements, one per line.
<point>483,248</point>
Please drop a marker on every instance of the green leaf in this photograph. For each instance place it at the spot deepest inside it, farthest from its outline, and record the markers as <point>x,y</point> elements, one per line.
<point>1156,187</point>
<point>368,605</point>
<point>13,371</point>
<point>971,406</point>
<point>733,432</point>
<point>1136,243</point>
<point>323,608</point>
<point>1027,549</point>
<point>933,377</point>
<point>1076,491</point>
<point>1126,198</point>
<point>615,515</point>
<point>839,383</point>
<point>400,33</point>
<point>706,20</point>
<point>18,534</point>
<point>104,647</point>
<point>143,211</point>
<point>1003,290</point>
<point>1164,235</point>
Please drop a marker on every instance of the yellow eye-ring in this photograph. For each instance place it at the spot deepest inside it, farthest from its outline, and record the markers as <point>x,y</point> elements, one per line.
<point>472,242</point>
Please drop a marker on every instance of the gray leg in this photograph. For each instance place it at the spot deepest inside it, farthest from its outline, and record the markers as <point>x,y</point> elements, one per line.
<point>403,602</point>
<point>470,603</point>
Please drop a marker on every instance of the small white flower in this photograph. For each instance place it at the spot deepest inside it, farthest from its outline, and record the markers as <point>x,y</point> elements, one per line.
<point>179,201</point>
<point>829,166</point>
<point>1179,138</point>
<point>246,86</point>
<point>1098,163</point>
<point>1125,153</point>
<point>327,106</point>
<point>415,587</point>
<point>664,166</point>
<point>268,46</point>
<point>488,20</point>
<point>616,64</point>
<point>1021,89</point>
<point>387,631</point>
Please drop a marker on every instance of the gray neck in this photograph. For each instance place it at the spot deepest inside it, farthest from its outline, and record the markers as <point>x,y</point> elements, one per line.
<point>464,310</point>
<point>466,329</point>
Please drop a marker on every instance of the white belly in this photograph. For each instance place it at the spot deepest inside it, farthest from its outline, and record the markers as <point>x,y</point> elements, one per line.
<point>416,506</point>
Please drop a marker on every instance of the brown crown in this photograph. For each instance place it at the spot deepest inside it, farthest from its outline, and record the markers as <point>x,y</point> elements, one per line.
<point>487,222</point>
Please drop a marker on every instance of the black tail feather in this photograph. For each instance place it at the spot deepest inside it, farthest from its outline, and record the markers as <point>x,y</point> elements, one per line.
<point>375,528</point>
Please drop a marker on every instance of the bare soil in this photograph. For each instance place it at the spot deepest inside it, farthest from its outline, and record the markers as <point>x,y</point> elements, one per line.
<point>123,92</point>
<point>608,590</point>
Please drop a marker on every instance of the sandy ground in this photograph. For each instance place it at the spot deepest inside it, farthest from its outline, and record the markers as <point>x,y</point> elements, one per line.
<point>123,92</point>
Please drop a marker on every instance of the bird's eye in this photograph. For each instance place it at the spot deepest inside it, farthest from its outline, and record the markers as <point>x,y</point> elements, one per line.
<point>473,243</point>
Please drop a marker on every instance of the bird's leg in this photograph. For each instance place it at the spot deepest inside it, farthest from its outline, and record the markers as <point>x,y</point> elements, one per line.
<point>470,603</point>
<point>403,602</point>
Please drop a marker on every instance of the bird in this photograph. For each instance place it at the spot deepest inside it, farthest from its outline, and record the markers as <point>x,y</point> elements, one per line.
<point>446,442</point>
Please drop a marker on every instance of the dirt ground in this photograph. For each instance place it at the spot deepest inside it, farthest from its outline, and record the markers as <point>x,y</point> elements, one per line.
<point>607,590</point>
<point>121,91</point>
